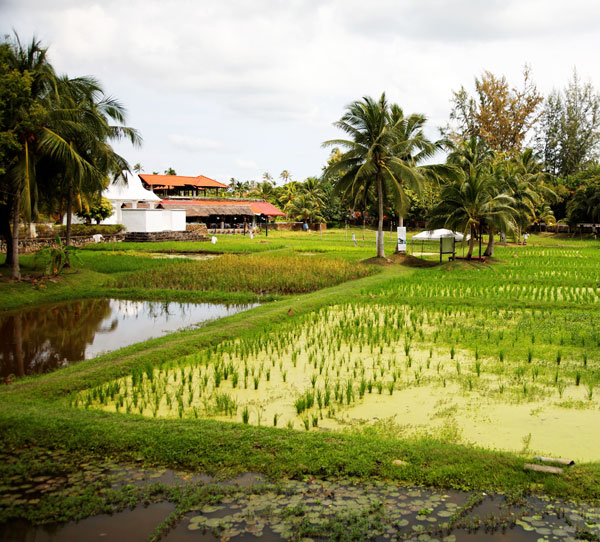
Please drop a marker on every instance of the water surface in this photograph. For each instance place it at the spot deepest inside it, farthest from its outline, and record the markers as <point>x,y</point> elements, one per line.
<point>49,337</point>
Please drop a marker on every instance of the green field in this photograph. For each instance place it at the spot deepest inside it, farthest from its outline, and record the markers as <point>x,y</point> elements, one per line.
<point>462,371</point>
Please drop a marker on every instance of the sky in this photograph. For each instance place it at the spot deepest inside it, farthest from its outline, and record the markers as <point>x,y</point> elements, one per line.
<point>237,88</point>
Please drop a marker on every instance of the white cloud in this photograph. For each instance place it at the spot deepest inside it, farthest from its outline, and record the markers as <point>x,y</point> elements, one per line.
<point>246,164</point>
<point>266,79</point>
<point>195,144</point>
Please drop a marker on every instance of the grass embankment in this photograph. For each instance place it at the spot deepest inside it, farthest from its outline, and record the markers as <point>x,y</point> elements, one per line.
<point>247,269</point>
<point>37,410</point>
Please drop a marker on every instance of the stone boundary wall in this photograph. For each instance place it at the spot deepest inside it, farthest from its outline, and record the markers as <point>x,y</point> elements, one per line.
<point>294,226</point>
<point>201,228</point>
<point>153,237</point>
<point>29,246</point>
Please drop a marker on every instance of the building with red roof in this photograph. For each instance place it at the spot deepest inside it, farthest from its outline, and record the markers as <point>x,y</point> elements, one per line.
<point>180,186</point>
<point>224,213</point>
<point>181,193</point>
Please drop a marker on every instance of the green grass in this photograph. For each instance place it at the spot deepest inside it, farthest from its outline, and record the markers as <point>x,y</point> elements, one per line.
<point>545,299</point>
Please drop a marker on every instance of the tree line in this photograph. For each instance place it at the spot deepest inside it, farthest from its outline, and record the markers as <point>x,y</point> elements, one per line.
<point>513,159</point>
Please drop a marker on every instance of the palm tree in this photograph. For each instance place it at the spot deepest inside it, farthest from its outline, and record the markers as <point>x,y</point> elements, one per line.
<point>304,208</point>
<point>285,175</point>
<point>266,191</point>
<point>62,126</point>
<point>24,116</point>
<point>312,188</point>
<point>475,154</point>
<point>90,113</point>
<point>470,203</point>
<point>288,192</point>
<point>380,153</point>
<point>267,177</point>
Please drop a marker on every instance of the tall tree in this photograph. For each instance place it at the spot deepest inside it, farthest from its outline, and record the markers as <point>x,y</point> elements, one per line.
<point>62,128</point>
<point>569,134</point>
<point>97,120</point>
<point>471,202</point>
<point>502,116</point>
<point>25,134</point>
<point>285,175</point>
<point>384,153</point>
<point>305,208</point>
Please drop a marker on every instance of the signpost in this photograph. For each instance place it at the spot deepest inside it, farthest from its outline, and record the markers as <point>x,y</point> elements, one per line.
<point>401,231</point>
<point>447,246</point>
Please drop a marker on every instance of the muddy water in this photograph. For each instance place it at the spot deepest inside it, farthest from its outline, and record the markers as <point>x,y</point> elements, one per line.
<point>131,525</point>
<point>249,507</point>
<point>49,337</point>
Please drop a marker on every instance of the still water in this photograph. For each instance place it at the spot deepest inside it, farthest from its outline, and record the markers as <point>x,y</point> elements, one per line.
<point>52,336</point>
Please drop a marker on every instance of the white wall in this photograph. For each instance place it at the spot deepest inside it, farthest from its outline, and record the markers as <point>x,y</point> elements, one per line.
<point>153,220</point>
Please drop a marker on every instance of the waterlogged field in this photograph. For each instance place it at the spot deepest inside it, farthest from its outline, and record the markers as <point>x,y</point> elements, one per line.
<point>503,356</point>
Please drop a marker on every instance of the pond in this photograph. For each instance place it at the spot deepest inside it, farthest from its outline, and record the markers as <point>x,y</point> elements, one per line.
<point>49,337</point>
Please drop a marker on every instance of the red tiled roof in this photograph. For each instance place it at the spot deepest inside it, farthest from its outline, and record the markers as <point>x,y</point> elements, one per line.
<point>265,208</point>
<point>258,207</point>
<point>171,181</point>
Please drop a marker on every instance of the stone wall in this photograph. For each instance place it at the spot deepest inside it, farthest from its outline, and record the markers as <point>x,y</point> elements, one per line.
<point>29,246</point>
<point>199,228</point>
<point>295,226</point>
<point>153,237</point>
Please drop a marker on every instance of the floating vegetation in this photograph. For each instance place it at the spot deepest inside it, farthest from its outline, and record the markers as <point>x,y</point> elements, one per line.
<point>336,363</point>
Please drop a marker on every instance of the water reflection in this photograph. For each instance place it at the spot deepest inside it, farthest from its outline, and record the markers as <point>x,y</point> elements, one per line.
<point>49,337</point>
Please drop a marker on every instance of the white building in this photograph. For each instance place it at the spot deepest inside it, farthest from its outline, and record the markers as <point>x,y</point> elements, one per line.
<point>134,207</point>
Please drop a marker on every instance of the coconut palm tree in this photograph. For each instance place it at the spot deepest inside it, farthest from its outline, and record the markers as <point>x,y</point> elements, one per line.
<point>64,126</point>
<point>312,188</point>
<point>475,154</point>
<point>383,152</point>
<point>470,203</point>
<point>288,192</point>
<point>286,176</point>
<point>95,121</point>
<point>24,116</point>
<point>304,208</point>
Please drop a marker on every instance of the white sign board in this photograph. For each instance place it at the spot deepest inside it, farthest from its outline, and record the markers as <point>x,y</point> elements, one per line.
<point>402,239</point>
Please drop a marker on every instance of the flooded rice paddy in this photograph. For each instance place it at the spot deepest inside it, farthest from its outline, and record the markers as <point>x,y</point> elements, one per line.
<point>487,380</point>
<point>180,506</point>
<point>52,336</point>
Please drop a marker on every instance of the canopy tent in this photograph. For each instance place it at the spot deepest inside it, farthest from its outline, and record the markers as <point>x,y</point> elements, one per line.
<point>433,235</point>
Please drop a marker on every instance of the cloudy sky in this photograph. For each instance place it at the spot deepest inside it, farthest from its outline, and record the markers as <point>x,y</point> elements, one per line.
<point>236,88</point>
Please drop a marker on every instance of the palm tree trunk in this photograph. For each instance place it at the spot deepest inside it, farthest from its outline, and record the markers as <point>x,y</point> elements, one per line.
<point>489,251</point>
<point>18,340</point>
<point>16,272</point>
<point>380,250</point>
<point>364,224</point>
<point>6,233</point>
<point>69,213</point>
<point>471,243</point>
